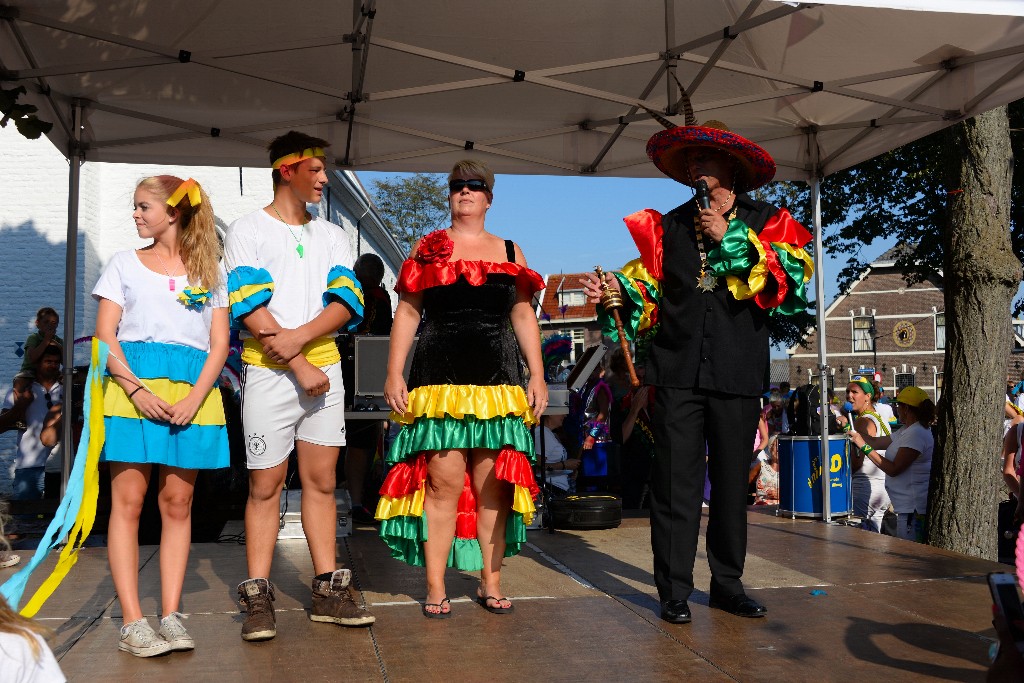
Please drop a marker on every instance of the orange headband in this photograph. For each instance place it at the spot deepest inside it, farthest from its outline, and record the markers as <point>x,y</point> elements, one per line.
<point>191,187</point>
<point>296,157</point>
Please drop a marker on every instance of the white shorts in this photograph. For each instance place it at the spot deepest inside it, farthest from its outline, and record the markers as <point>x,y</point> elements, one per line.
<point>276,412</point>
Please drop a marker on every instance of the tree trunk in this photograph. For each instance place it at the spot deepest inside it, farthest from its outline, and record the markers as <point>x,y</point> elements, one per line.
<point>981,276</point>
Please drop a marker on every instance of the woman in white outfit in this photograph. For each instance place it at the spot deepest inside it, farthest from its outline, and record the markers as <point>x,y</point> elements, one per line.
<point>870,500</point>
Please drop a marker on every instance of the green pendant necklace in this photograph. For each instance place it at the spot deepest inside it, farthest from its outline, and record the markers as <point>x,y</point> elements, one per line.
<point>298,240</point>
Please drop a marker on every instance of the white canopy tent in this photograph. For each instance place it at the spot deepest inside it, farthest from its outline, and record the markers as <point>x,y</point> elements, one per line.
<point>533,87</point>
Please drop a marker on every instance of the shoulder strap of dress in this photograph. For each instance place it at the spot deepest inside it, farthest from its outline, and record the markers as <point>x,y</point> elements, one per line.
<point>510,251</point>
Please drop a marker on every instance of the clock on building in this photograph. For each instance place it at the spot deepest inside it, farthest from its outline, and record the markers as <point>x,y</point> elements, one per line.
<point>904,333</point>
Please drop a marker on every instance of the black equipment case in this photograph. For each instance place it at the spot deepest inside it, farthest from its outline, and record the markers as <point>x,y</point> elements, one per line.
<point>586,512</point>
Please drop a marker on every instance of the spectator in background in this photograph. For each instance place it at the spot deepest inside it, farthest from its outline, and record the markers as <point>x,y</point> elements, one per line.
<point>870,500</point>
<point>774,415</point>
<point>364,435</point>
<point>560,468</point>
<point>631,428</point>
<point>882,407</point>
<point>45,335</point>
<point>34,400</point>
<point>907,462</point>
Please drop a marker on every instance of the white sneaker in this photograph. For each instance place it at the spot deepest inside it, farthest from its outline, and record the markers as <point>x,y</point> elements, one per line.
<point>139,639</point>
<point>8,559</point>
<point>174,633</point>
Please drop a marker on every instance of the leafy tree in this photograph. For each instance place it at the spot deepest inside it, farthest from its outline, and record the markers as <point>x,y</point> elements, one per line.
<point>23,115</point>
<point>902,194</point>
<point>412,205</point>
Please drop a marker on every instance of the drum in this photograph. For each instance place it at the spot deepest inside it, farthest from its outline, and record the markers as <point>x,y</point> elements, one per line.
<point>800,476</point>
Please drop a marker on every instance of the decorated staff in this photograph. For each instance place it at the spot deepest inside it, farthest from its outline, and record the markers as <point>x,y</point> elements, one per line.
<point>699,297</point>
<point>612,302</point>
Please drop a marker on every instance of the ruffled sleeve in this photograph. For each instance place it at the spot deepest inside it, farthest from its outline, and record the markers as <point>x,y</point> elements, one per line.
<point>640,280</point>
<point>416,276</point>
<point>248,289</point>
<point>343,287</point>
<point>771,267</point>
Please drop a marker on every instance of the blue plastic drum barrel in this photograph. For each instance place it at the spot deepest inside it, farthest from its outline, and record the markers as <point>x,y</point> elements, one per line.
<point>800,475</point>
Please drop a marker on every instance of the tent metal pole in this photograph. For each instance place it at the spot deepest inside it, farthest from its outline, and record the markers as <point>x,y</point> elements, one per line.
<point>825,478</point>
<point>76,157</point>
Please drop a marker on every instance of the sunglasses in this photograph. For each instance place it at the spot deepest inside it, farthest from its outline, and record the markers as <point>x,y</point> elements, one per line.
<point>475,184</point>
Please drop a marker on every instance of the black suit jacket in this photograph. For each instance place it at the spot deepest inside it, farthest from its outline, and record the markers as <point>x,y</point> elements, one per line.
<point>707,340</point>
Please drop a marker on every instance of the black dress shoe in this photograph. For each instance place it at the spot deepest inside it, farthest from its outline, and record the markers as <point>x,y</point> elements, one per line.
<point>675,611</point>
<point>741,605</point>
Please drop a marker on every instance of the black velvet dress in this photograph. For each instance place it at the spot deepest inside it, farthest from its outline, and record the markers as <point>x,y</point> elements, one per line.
<point>466,391</point>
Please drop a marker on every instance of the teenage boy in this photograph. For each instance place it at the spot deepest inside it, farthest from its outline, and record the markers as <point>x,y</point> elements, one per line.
<point>291,288</point>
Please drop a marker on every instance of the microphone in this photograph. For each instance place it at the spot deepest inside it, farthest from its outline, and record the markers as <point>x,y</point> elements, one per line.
<point>848,409</point>
<point>703,198</point>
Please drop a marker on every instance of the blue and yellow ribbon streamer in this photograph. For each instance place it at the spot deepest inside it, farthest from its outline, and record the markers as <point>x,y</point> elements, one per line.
<point>77,510</point>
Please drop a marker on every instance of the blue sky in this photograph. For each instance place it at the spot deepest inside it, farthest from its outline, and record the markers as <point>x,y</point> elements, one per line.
<point>571,224</point>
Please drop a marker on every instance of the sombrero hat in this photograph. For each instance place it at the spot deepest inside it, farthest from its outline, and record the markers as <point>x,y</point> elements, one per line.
<point>668,148</point>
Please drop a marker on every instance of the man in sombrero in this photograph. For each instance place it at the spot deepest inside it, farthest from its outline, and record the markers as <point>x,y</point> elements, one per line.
<point>700,296</point>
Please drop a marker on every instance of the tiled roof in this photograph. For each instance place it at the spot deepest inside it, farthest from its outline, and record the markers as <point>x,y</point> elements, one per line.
<point>564,282</point>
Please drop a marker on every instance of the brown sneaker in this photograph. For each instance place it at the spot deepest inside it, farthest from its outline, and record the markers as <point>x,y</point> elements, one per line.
<point>333,601</point>
<point>258,597</point>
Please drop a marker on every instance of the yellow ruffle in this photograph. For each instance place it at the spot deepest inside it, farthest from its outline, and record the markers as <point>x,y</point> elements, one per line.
<point>635,270</point>
<point>522,502</point>
<point>344,282</point>
<point>245,291</point>
<point>460,400</point>
<point>757,277</point>
<point>320,352</point>
<point>409,505</point>
<point>117,404</point>
<point>801,255</point>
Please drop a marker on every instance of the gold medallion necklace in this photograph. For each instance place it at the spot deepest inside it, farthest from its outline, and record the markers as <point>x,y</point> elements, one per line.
<point>706,280</point>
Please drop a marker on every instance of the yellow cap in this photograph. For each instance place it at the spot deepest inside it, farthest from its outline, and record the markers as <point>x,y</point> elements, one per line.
<point>911,396</point>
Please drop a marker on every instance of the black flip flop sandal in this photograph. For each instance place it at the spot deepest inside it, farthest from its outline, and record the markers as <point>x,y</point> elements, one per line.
<point>440,606</point>
<point>482,599</point>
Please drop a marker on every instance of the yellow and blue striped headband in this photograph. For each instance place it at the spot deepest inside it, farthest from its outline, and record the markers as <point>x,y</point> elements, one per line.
<point>296,157</point>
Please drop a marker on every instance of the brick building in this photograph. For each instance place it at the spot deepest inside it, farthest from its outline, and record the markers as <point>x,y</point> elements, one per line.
<point>881,325</point>
<point>563,309</point>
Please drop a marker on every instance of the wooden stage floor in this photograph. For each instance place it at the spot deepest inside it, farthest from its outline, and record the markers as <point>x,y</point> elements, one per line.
<point>843,605</point>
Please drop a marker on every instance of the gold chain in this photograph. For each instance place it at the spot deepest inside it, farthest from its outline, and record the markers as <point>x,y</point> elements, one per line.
<point>706,282</point>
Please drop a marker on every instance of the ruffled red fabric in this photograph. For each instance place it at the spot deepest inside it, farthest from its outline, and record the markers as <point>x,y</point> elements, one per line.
<point>512,466</point>
<point>645,227</point>
<point>777,286</point>
<point>465,518</point>
<point>782,227</point>
<point>405,477</point>
<point>416,276</point>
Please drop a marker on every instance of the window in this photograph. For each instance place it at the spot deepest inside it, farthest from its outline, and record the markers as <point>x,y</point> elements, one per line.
<point>571,297</point>
<point>940,331</point>
<point>863,337</point>
<point>577,343</point>
<point>904,379</point>
<point>938,386</point>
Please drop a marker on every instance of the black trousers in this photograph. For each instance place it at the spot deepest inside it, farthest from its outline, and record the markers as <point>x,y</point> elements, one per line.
<point>684,420</point>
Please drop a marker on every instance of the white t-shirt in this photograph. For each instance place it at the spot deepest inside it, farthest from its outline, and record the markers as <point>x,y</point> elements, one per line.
<point>260,241</point>
<point>151,311</point>
<point>554,452</point>
<point>909,490</point>
<point>31,451</point>
<point>18,665</point>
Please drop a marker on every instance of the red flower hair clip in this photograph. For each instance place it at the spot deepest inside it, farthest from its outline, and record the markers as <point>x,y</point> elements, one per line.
<point>436,246</point>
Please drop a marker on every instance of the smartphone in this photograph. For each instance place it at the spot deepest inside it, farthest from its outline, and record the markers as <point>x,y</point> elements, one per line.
<point>1007,601</point>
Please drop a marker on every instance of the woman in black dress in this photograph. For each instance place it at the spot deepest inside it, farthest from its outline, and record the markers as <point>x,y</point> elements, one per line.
<point>463,456</point>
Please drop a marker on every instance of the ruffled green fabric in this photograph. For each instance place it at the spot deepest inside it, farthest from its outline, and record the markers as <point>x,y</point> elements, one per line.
<point>434,434</point>
<point>734,255</point>
<point>631,312</point>
<point>404,536</point>
<point>796,297</point>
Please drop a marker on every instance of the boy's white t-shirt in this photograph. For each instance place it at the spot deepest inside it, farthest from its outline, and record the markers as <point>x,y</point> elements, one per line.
<point>151,311</point>
<point>259,241</point>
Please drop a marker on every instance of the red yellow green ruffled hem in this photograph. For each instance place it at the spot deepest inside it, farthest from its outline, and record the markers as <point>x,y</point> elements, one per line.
<point>404,523</point>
